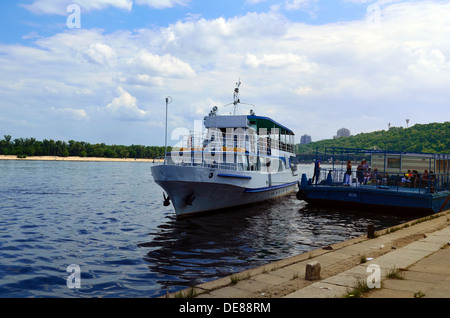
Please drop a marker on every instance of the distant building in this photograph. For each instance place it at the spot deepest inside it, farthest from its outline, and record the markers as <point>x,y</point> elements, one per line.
<point>305,139</point>
<point>343,132</point>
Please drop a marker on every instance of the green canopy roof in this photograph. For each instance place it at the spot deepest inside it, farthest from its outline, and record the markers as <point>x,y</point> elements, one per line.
<point>268,123</point>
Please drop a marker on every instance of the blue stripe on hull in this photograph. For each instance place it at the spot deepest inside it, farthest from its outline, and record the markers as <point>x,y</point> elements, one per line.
<point>224,175</point>
<point>270,188</point>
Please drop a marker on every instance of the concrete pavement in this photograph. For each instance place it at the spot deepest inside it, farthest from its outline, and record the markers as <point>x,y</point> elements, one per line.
<point>427,278</point>
<point>423,267</point>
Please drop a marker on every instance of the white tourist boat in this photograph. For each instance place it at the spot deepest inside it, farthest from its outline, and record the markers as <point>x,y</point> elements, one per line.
<point>238,160</point>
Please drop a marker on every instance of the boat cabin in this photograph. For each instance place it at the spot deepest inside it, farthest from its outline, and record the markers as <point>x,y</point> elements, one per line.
<point>402,162</point>
<point>239,142</point>
<point>255,134</point>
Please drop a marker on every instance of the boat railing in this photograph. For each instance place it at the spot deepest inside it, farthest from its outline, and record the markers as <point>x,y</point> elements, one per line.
<point>434,182</point>
<point>235,161</point>
<point>203,163</point>
<point>217,141</point>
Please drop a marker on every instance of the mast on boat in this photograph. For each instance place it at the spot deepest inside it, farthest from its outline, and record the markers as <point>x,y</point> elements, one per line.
<point>237,99</point>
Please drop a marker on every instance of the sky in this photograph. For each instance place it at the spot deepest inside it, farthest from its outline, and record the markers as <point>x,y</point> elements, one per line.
<point>99,71</point>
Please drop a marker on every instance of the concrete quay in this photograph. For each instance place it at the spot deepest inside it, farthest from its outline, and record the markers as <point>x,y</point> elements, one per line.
<point>418,250</point>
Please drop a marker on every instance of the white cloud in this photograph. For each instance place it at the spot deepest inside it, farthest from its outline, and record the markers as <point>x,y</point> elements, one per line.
<point>304,90</point>
<point>59,7</point>
<point>287,62</point>
<point>144,80</point>
<point>124,106</point>
<point>162,4</point>
<point>254,1</point>
<point>297,4</point>
<point>165,65</point>
<point>100,53</point>
<point>207,41</point>
<point>102,4</point>
<point>70,113</point>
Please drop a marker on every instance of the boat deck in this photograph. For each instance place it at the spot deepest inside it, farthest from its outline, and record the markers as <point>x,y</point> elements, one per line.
<point>386,178</point>
<point>376,187</point>
<point>397,196</point>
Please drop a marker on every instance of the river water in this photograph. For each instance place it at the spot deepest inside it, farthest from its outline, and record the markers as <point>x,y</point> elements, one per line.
<point>107,218</point>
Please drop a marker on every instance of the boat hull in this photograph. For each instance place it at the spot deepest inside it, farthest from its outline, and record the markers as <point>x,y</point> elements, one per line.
<point>194,190</point>
<point>375,197</point>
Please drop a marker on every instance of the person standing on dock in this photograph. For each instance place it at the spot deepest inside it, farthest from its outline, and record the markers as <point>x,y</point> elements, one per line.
<point>365,165</point>
<point>348,174</point>
<point>316,175</point>
<point>360,172</point>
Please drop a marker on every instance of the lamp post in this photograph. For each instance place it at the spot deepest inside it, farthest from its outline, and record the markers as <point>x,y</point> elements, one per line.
<point>168,101</point>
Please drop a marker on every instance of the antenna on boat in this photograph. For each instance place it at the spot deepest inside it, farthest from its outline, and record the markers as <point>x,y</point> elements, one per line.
<point>236,96</point>
<point>168,101</point>
<point>237,99</point>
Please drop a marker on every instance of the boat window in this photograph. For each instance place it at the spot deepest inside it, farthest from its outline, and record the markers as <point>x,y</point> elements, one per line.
<point>252,139</point>
<point>254,163</point>
<point>281,164</point>
<point>394,163</point>
<point>242,164</point>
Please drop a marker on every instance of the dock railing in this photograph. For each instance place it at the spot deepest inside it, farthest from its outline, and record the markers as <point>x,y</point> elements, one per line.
<point>384,169</point>
<point>434,182</point>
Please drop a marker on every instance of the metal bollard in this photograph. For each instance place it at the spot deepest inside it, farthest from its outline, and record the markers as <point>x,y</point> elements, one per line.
<point>370,231</point>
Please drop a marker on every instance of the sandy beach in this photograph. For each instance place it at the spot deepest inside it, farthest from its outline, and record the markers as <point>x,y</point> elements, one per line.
<point>87,159</point>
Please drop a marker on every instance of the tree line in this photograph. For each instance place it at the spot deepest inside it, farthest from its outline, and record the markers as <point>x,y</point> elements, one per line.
<point>23,147</point>
<point>428,138</point>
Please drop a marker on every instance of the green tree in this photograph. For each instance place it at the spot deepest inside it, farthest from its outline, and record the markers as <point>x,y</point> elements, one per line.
<point>434,138</point>
<point>5,145</point>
